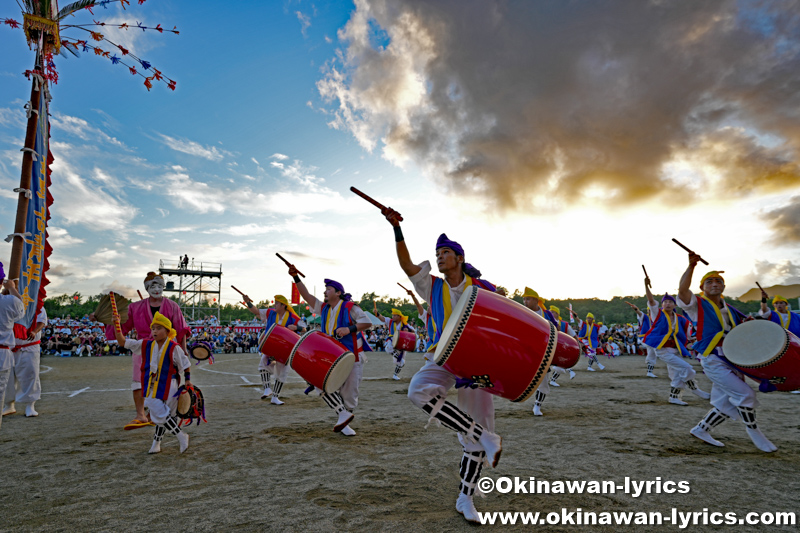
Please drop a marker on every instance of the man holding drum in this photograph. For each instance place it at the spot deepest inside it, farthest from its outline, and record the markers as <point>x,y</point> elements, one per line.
<point>343,319</point>
<point>590,333</point>
<point>731,397</point>
<point>473,419</point>
<point>398,320</point>
<point>667,336</point>
<point>283,315</point>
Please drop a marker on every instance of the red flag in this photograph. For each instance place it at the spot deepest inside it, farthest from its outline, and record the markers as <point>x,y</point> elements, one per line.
<point>295,295</point>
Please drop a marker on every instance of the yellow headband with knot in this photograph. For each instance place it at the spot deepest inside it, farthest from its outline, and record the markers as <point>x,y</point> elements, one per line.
<point>712,274</point>
<point>590,315</point>
<point>530,293</point>
<point>403,318</point>
<point>165,323</point>
<point>555,310</point>
<point>779,299</point>
<point>282,299</point>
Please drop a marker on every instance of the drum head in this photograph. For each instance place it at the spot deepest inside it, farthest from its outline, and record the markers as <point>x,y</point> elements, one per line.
<point>339,372</point>
<point>184,404</point>
<point>200,352</point>
<point>755,343</point>
<point>458,320</point>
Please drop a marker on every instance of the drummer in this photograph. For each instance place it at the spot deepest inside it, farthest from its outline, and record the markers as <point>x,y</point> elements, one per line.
<point>564,327</point>
<point>398,320</point>
<point>731,397</point>
<point>667,337</point>
<point>589,333</point>
<point>346,327</point>
<point>473,419</point>
<point>531,300</point>
<point>284,315</point>
<point>644,327</point>
<point>781,315</point>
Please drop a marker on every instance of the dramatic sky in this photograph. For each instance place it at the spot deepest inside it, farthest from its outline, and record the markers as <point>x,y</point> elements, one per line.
<point>562,143</point>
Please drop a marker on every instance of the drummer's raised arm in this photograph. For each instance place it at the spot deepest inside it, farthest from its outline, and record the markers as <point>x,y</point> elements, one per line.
<point>650,300</point>
<point>403,257</point>
<point>301,288</point>
<point>684,288</point>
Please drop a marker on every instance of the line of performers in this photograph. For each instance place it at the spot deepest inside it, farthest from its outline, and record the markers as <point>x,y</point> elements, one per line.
<point>159,356</point>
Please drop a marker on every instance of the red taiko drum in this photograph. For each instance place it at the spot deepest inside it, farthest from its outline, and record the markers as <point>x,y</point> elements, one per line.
<point>763,349</point>
<point>568,351</point>
<point>277,342</point>
<point>322,361</point>
<point>404,341</point>
<point>502,346</point>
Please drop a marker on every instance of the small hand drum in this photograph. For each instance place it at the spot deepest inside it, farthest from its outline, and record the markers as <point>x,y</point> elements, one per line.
<point>191,405</point>
<point>201,350</point>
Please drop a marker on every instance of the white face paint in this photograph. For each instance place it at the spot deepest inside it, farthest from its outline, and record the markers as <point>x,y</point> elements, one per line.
<point>155,287</point>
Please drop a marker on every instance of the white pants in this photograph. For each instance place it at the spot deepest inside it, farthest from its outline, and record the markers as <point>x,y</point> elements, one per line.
<point>349,389</point>
<point>4,378</point>
<point>728,390</point>
<point>544,386</point>
<point>680,371</point>
<point>161,410</point>
<point>25,374</point>
<point>651,355</point>
<point>432,380</point>
<point>279,369</point>
<point>630,348</point>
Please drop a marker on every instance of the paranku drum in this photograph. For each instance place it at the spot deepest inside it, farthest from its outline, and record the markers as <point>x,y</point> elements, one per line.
<point>201,350</point>
<point>404,341</point>
<point>277,342</point>
<point>322,361</point>
<point>763,349</point>
<point>502,346</point>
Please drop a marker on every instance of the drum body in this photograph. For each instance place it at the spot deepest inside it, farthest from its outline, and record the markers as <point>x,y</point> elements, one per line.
<point>763,349</point>
<point>277,342</point>
<point>568,351</point>
<point>404,341</point>
<point>201,350</point>
<point>502,346</point>
<point>322,361</point>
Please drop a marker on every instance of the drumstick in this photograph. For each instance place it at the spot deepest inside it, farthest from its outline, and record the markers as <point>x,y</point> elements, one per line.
<point>140,294</point>
<point>116,313</point>
<point>288,264</point>
<point>377,204</point>
<point>403,288</point>
<point>647,277</point>
<point>762,290</point>
<point>688,250</point>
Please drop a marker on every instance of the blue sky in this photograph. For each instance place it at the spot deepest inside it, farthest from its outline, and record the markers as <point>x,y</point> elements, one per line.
<point>281,106</point>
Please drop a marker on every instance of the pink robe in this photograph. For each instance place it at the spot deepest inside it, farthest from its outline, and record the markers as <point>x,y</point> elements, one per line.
<point>140,317</point>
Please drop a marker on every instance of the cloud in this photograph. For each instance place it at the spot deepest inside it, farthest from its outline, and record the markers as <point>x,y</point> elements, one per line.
<point>279,157</point>
<point>305,22</point>
<point>254,160</point>
<point>193,148</point>
<point>557,103</point>
<point>60,238</point>
<point>785,222</point>
<point>780,273</point>
<point>83,130</point>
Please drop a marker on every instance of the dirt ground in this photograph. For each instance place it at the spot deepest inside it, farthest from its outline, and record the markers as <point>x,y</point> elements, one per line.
<point>260,467</point>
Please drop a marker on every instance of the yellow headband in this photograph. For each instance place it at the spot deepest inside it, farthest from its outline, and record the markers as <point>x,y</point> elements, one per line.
<point>403,318</point>
<point>282,299</point>
<point>530,293</point>
<point>712,274</point>
<point>555,310</point>
<point>779,299</point>
<point>590,315</point>
<point>164,322</point>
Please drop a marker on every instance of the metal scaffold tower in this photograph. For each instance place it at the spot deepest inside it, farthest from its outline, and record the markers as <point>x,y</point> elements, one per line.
<point>197,284</point>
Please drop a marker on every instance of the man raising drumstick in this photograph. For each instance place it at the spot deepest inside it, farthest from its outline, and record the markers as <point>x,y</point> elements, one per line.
<point>344,320</point>
<point>473,419</point>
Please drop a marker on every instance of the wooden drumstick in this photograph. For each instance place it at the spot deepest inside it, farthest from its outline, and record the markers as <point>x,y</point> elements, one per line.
<point>403,288</point>
<point>761,288</point>
<point>688,250</point>
<point>377,204</point>
<point>117,325</point>
<point>140,294</point>
<point>288,264</point>
<point>647,277</point>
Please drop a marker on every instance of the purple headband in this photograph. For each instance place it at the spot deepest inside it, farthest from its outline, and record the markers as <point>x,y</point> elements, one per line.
<point>444,242</point>
<point>2,272</point>
<point>346,296</point>
<point>667,297</point>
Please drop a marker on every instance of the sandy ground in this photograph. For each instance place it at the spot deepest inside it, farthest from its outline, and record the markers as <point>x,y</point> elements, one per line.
<point>259,467</point>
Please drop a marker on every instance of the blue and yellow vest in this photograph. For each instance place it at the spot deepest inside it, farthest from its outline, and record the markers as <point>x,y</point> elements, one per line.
<point>644,327</point>
<point>664,330</point>
<point>288,319</point>
<point>591,336</point>
<point>562,326</point>
<point>439,308</point>
<point>157,384</point>
<point>710,324</point>
<point>342,320</point>
<point>793,325</point>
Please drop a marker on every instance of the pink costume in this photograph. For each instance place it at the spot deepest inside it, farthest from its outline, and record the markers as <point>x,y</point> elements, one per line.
<point>139,318</point>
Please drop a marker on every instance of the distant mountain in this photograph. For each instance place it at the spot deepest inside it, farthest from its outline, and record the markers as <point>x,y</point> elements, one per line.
<point>787,291</point>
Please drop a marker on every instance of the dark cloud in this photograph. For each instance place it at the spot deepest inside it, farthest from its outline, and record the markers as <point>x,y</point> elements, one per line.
<point>785,222</point>
<point>558,101</point>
